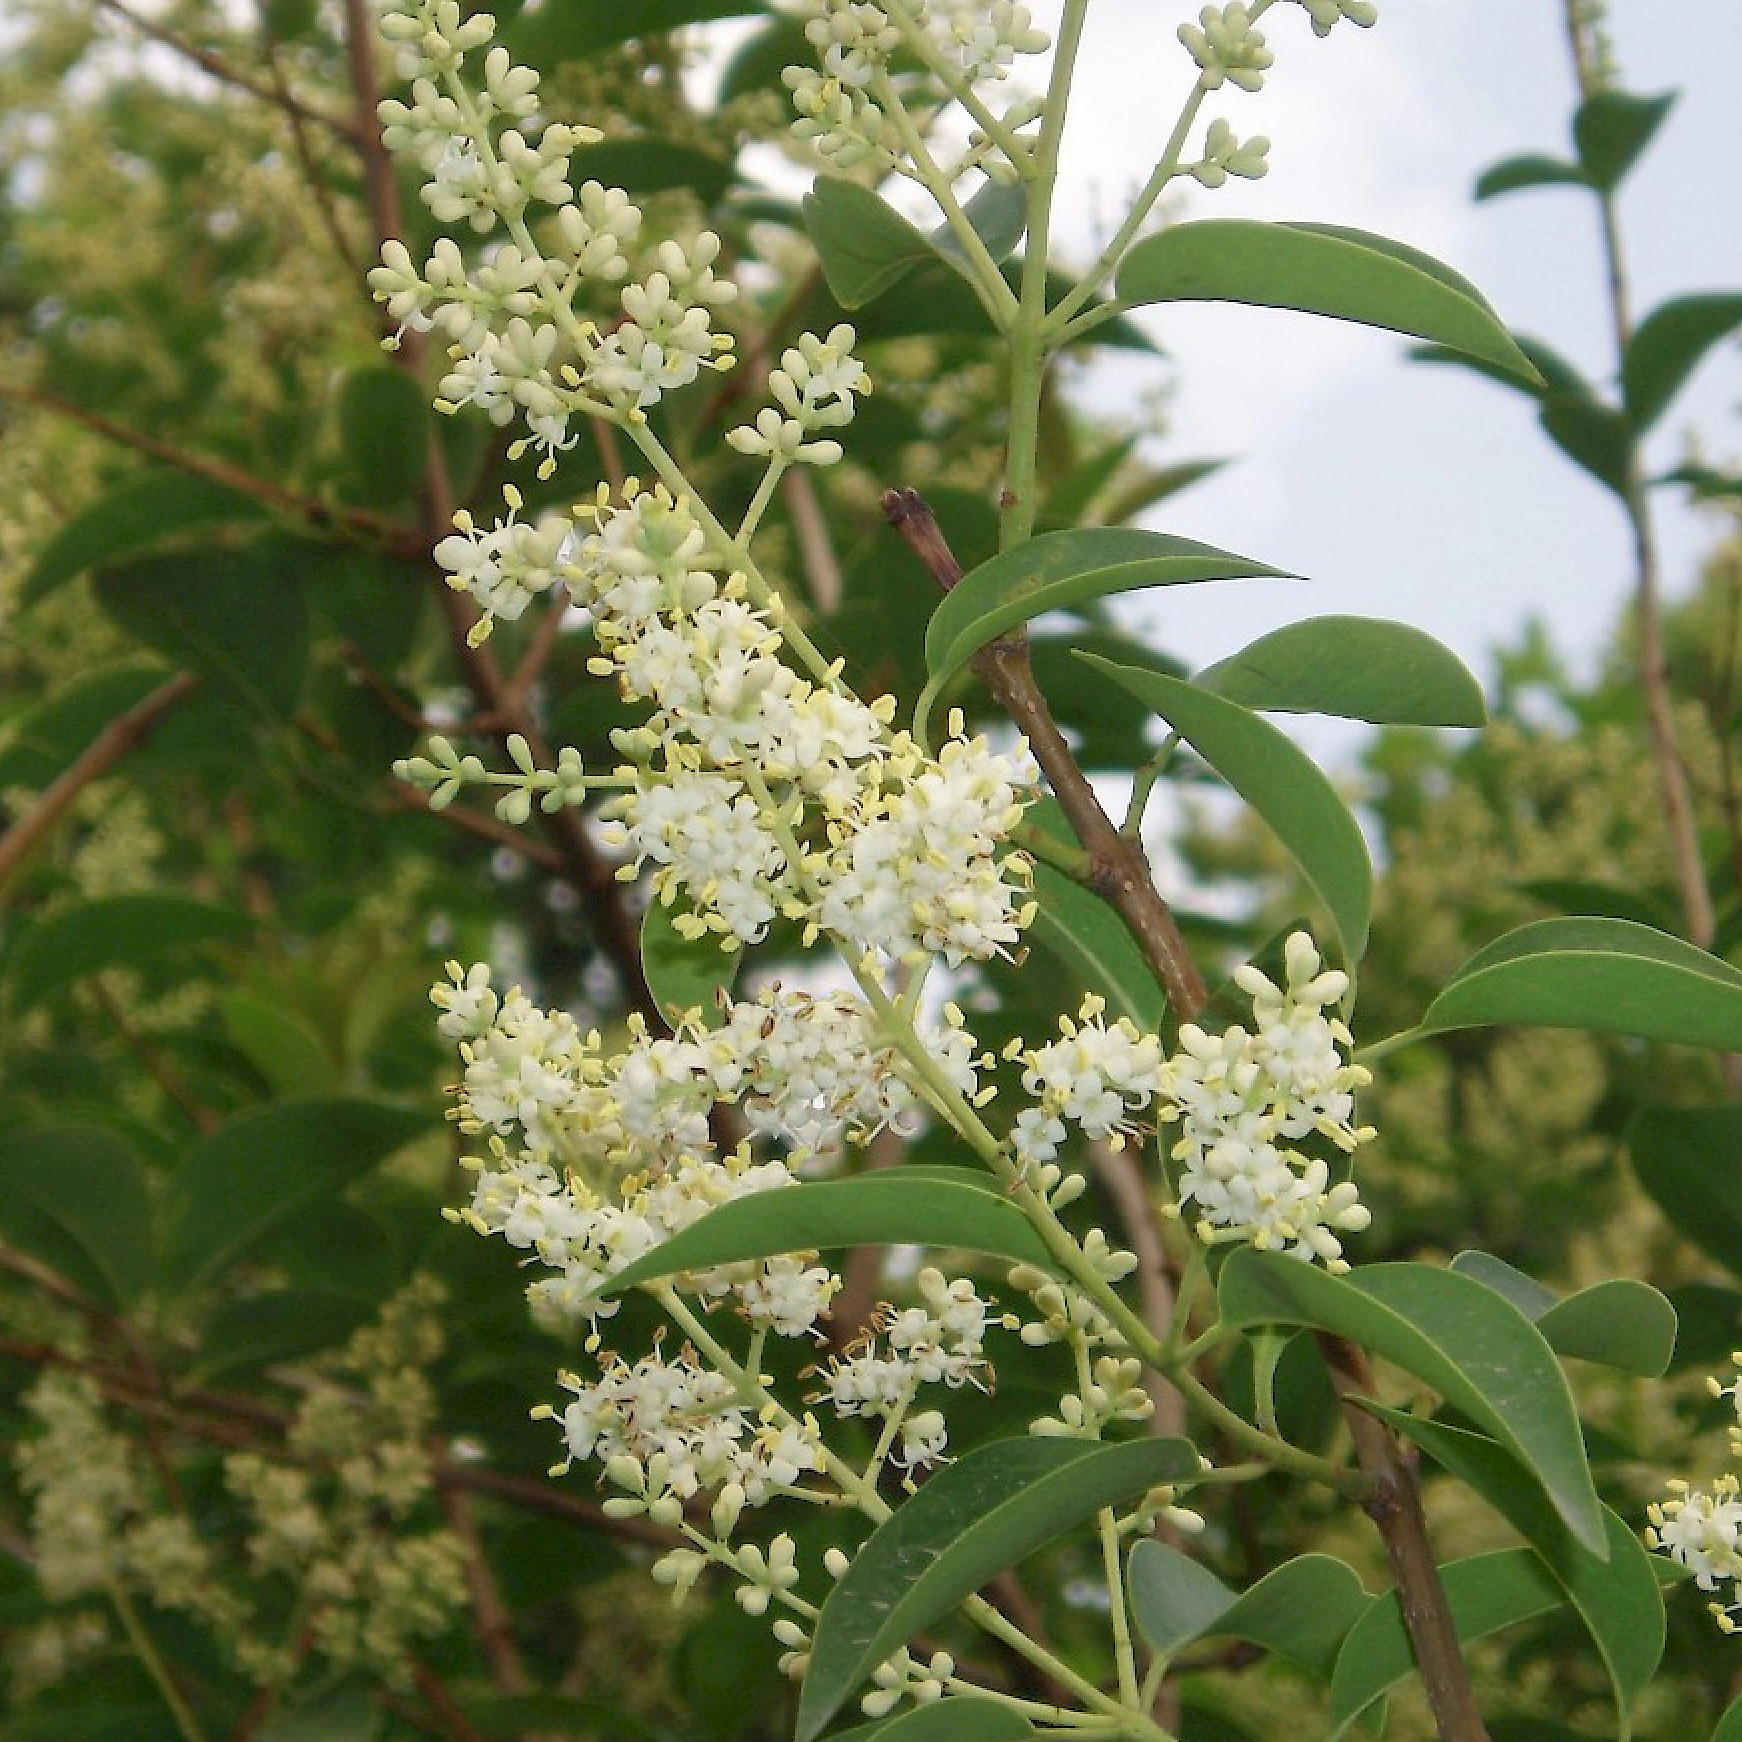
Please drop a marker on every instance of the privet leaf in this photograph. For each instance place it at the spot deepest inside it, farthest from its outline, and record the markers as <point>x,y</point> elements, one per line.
<point>1530,170</point>
<point>1612,128</point>
<point>1592,435</point>
<point>1281,784</point>
<point>1468,1343</point>
<point>1667,347</point>
<point>985,1512</point>
<point>1084,933</point>
<point>1358,668</point>
<point>1685,1157</point>
<point>1608,976</point>
<point>685,974</point>
<point>1322,269</point>
<point>899,1206</point>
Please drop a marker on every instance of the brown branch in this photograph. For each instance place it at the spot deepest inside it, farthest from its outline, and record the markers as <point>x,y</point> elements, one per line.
<point>119,739</point>
<point>1119,872</point>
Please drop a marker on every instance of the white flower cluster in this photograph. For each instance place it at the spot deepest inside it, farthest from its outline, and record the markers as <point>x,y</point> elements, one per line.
<point>520,345</point>
<point>1243,1101</point>
<point>1228,47</point>
<point>843,102</point>
<point>1702,1528</point>
<point>1226,155</point>
<point>1328,13</point>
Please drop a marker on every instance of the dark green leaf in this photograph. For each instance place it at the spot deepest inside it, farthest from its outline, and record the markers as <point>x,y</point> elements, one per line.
<point>1070,499</point>
<point>350,1714</point>
<point>43,740</point>
<point>1608,976</point>
<point>1094,943</point>
<point>985,1512</point>
<point>384,430</point>
<point>280,1043</point>
<point>1280,783</point>
<point>1667,347</point>
<point>1528,171</point>
<point>118,931</point>
<point>1320,269</point>
<point>650,166</point>
<point>1359,668</point>
<point>239,617</point>
<point>259,1169</point>
<point>1708,1325</point>
<point>898,1206</point>
<point>764,56</point>
<point>1730,1724</point>
<point>1584,898</point>
<point>1061,569</point>
<point>511,1717</point>
<point>142,513</point>
<point>1152,484</point>
<point>259,1330</point>
<point>1301,1610</point>
<point>685,974</point>
<point>863,243</point>
<point>1616,1594</point>
<point>1457,1336</point>
<point>961,1718</point>
<point>1689,1159</point>
<point>1108,727</point>
<point>1591,434</point>
<point>550,32</point>
<point>1610,130</point>
<point>74,1196</point>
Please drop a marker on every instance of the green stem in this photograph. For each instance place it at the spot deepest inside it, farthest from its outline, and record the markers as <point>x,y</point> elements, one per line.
<point>1143,784</point>
<point>777,468</point>
<point>1123,1654</point>
<point>145,1649</point>
<point>1279,1454</point>
<point>919,41</point>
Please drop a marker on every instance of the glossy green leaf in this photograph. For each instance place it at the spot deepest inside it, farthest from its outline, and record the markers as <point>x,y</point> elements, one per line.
<point>1607,976</point>
<point>1530,170</point>
<point>1592,435</point>
<point>642,165</point>
<point>280,1043</point>
<point>1097,947</point>
<point>990,1509</point>
<point>1730,1724</point>
<point>1457,1336</point>
<point>384,430</point>
<point>1301,1610</point>
<point>955,1719</point>
<point>1689,1160</point>
<point>1615,1595</point>
<point>1485,1594</point>
<point>1061,569</point>
<point>74,1196</point>
<point>1619,1323</point>
<point>1612,128</point>
<point>898,1206</point>
<point>260,1169</point>
<point>1358,668</point>
<point>1588,898</point>
<point>864,245</point>
<point>144,512</point>
<point>1280,783</point>
<point>238,617</point>
<point>685,974</point>
<point>116,931</point>
<point>1322,269</point>
<point>1667,347</point>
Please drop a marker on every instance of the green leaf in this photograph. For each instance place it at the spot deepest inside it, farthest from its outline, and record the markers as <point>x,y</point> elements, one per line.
<point>985,1512</point>
<point>958,1718</point>
<point>898,1206</point>
<point>1615,1595</point>
<point>348,1714</point>
<point>1592,435</point>
<point>1300,1610</point>
<point>144,512</point>
<point>238,617</point>
<point>117,931</point>
<point>1280,783</point>
<point>1606,976</point>
<point>1528,171</point>
<point>1321,269</point>
<point>547,34</point>
<point>258,1170</point>
<point>1485,1593</point>
<point>75,1197</point>
<point>685,974</point>
<point>1686,1158</point>
<point>764,56</point>
<point>384,431</point>
<point>1667,347</point>
<point>1457,1336</point>
<point>41,741</point>
<point>260,1330</point>
<point>1554,373</point>
<point>1612,128</point>
<point>280,1043</point>
<point>1097,947</point>
<point>1730,1724</point>
<point>997,213</point>
<point>642,165</point>
<point>1061,569</point>
<point>1358,668</point>
<point>1621,1323</point>
<point>1587,898</point>
<point>864,244</point>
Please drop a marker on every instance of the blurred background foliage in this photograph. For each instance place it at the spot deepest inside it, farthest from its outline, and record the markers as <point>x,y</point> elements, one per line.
<point>265,1467</point>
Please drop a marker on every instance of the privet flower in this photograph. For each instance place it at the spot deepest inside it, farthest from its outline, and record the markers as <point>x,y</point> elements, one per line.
<point>1702,1528</point>
<point>1227,47</point>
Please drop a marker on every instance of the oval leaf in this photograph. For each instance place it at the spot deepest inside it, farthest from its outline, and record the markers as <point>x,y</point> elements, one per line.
<point>384,429</point>
<point>257,1171</point>
<point>1358,668</point>
<point>1607,976</point>
<point>1457,1336</point>
<point>1667,348</point>
<point>1280,782</point>
<point>864,245</point>
<point>1349,275</point>
<point>1061,569</point>
<point>118,931</point>
<point>1610,130</point>
<point>1301,1610</point>
<point>1592,435</point>
<point>1686,1158</point>
<point>1097,948</point>
<point>1730,1725</point>
<point>74,1196</point>
<point>685,975</point>
<point>1528,171</point>
<point>985,1512</point>
<point>898,1206</point>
